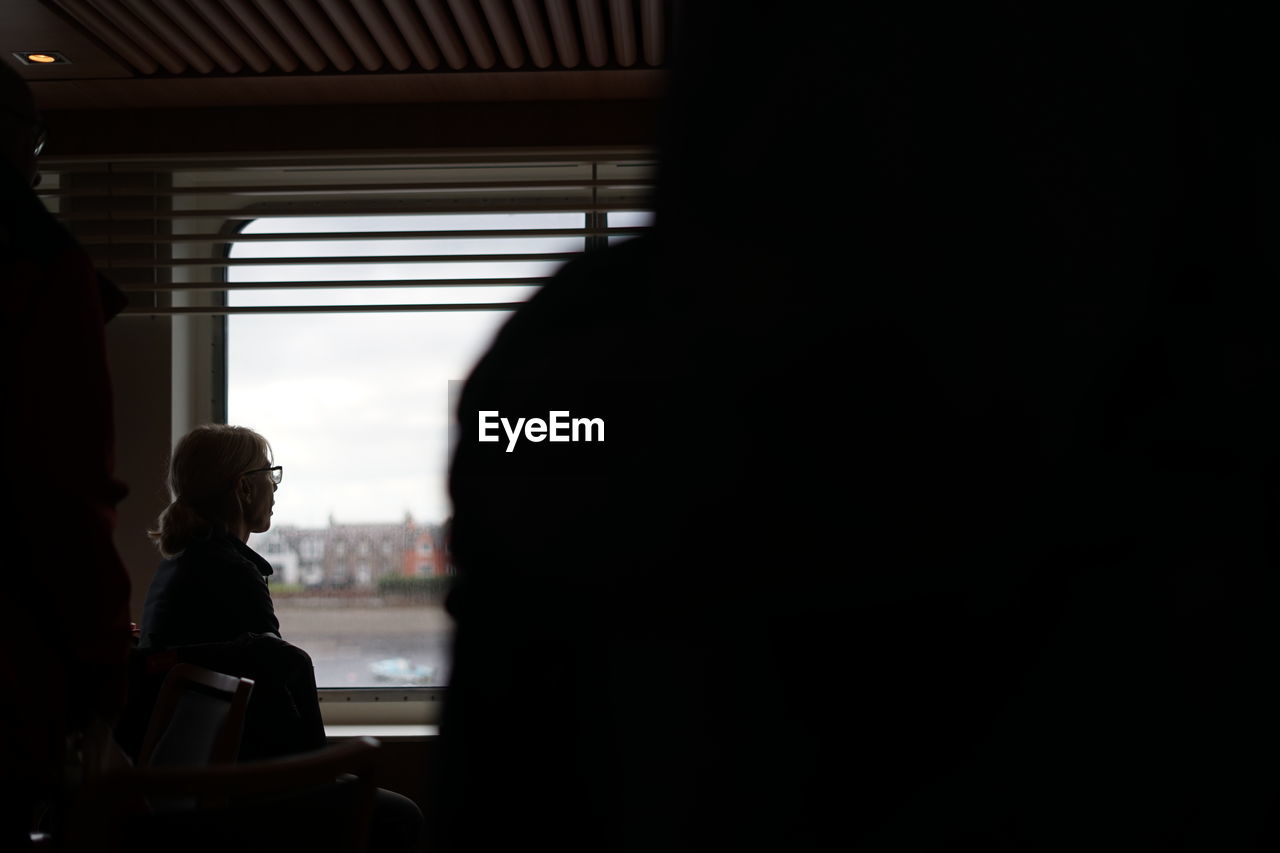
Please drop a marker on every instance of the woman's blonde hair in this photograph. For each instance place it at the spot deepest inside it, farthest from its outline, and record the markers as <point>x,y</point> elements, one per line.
<point>203,471</point>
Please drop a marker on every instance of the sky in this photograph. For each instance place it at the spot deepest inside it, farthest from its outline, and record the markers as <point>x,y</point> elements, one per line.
<point>356,406</point>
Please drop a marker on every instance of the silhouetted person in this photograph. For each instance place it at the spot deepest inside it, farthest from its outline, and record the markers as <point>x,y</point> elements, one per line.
<point>209,604</point>
<point>938,498</point>
<point>211,586</point>
<point>66,593</point>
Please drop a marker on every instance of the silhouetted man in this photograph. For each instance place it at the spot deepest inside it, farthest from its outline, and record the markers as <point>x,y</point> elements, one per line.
<point>939,512</point>
<point>66,593</point>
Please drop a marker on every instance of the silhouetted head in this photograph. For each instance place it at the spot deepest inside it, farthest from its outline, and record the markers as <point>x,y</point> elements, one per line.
<point>217,477</point>
<point>21,130</point>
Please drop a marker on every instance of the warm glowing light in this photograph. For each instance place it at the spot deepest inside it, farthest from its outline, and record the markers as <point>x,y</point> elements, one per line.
<point>40,57</point>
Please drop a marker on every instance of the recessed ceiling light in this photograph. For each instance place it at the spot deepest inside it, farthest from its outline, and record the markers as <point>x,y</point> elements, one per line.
<point>41,57</point>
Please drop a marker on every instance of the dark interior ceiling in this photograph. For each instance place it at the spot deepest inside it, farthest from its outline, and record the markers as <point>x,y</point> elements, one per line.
<point>157,76</point>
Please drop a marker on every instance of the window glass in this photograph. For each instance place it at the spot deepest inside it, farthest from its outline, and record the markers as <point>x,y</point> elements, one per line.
<point>627,219</point>
<point>356,407</point>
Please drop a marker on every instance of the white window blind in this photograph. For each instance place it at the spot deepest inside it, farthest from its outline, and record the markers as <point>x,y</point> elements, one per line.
<point>163,231</point>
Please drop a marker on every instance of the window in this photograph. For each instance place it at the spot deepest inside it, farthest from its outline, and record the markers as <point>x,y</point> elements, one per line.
<point>357,405</point>
<point>328,303</point>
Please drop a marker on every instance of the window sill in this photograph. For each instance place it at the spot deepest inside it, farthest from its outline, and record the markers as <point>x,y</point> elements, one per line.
<point>367,709</point>
<point>383,732</point>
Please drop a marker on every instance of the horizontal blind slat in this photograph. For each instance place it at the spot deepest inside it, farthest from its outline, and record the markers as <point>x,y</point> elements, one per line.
<point>294,237</point>
<point>322,285</point>
<point>220,310</point>
<point>111,205</point>
<point>613,156</point>
<point>319,210</point>
<point>152,263</point>
<point>346,188</point>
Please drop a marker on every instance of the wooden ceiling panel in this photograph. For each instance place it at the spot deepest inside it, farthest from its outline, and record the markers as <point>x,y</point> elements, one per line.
<point>155,38</point>
<point>168,54</point>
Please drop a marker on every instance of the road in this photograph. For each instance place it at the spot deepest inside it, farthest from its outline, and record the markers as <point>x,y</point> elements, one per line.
<point>344,640</point>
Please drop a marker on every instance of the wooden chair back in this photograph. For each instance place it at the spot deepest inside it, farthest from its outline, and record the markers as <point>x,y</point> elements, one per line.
<point>198,718</point>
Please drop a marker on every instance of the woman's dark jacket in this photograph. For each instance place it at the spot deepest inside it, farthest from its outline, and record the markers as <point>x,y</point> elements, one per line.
<point>209,606</point>
<point>214,591</point>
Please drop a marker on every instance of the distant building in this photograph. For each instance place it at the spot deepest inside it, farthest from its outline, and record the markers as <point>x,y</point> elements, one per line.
<point>310,547</point>
<point>357,555</point>
<point>352,556</point>
<point>424,555</point>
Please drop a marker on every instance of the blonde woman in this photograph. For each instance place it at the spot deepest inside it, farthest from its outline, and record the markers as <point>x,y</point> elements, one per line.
<point>211,587</point>
<point>211,591</point>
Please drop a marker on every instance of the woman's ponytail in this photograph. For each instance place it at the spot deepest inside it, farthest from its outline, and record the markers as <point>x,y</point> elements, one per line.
<point>178,526</point>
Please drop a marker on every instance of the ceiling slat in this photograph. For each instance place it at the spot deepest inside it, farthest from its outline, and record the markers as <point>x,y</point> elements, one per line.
<point>563,32</point>
<point>267,37</point>
<point>200,37</point>
<point>446,37</point>
<point>504,32</point>
<point>535,33</point>
<point>393,47</point>
<point>354,32</point>
<point>414,32</point>
<point>201,34</point>
<point>622,22</point>
<point>142,35</point>
<point>321,29</point>
<point>593,37</point>
<point>651,26</point>
<point>233,34</point>
<point>110,33</point>
<point>474,32</point>
<point>172,35</point>
<point>294,33</point>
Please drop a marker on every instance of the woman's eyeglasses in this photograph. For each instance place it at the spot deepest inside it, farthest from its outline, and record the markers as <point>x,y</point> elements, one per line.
<point>276,472</point>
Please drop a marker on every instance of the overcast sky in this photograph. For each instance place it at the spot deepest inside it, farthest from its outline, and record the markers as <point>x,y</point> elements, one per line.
<point>356,405</point>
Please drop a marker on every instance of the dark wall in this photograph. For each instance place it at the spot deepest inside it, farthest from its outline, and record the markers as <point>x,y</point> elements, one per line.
<point>372,127</point>
<point>401,765</point>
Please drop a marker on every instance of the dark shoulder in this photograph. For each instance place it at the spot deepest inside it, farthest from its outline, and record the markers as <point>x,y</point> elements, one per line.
<point>596,295</point>
<point>208,555</point>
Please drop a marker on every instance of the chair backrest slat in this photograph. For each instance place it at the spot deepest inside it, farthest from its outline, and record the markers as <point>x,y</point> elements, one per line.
<point>198,718</point>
